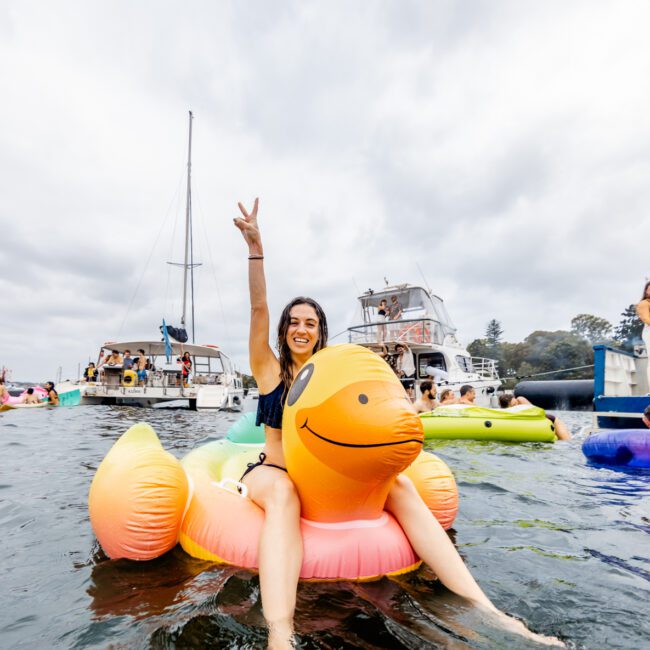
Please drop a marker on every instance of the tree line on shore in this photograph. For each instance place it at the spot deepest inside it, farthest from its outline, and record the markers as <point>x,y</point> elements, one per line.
<point>542,355</point>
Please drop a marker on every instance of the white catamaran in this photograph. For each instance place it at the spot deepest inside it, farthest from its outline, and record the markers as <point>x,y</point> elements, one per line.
<point>212,382</point>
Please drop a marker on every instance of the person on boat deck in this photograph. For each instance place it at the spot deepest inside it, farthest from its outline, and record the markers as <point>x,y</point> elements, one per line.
<point>186,368</point>
<point>395,309</point>
<point>467,395</point>
<point>382,314</point>
<point>302,331</point>
<point>646,416</point>
<point>127,361</point>
<point>561,430</point>
<point>52,395</point>
<point>141,363</point>
<point>30,397</point>
<point>447,397</point>
<point>405,369</point>
<point>115,359</point>
<point>643,312</point>
<point>90,373</point>
<point>427,402</point>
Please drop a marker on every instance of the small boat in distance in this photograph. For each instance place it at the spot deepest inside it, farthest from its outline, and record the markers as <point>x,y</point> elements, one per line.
<point>210,383</point>
<point>429,335</point>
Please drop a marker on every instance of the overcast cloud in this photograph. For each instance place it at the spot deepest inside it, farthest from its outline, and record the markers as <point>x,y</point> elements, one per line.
<point>502,146</point>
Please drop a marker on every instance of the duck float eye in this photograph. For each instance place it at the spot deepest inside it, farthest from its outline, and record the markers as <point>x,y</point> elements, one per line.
<point>363,398</point>
<point>300,384</point>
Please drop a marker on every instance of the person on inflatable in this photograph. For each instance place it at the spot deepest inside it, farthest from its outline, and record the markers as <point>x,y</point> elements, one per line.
<point>302,331</point>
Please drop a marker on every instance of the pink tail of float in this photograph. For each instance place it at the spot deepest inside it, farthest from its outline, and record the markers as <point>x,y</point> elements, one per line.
<point>138,497</point>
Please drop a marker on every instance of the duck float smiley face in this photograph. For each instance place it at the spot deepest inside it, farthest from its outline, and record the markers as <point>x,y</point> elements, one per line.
<point>348,430</point>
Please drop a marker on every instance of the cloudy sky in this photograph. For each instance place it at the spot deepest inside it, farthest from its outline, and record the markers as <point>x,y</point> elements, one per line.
<point>504,147</point>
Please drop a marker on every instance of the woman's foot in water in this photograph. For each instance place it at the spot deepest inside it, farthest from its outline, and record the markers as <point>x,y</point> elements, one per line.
<point>281,636</point>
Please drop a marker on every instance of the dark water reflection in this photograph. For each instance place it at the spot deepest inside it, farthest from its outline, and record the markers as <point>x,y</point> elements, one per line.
<point>551,539</point>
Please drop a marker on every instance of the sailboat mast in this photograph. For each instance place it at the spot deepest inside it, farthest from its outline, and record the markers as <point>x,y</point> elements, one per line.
<point>188,204</point>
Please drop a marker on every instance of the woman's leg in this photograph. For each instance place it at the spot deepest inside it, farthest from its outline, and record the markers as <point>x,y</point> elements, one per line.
<point>434,547</point>
<point>280,549</point>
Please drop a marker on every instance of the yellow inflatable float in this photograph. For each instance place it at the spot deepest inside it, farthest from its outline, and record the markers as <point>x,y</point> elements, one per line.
<point>348,430</point>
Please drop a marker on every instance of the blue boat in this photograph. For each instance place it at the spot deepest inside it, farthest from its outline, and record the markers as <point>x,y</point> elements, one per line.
<point>620,387</point>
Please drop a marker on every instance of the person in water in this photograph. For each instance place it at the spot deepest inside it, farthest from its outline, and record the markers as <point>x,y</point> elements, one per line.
<point>52,395</point>
<point>30,397</point>
<point>645,418</point>
<point>447,397</point>
<point>427,402</point>
<point>643,312</point>
<point>561,430</point>
<point>4,393</point>
<point>467,395</point>
<point>302,331</point>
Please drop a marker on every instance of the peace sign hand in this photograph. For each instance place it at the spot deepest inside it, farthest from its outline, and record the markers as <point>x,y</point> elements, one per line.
<point>249,228</point>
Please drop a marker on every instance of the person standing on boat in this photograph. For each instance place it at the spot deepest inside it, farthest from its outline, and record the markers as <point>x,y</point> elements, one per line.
<point>643,312</point>
<point>52,395</point>
<point>186,368</point>
<point>302,331</point>
<point>127,361</point>
<point>382,314</point>
<point>141,364</point>
<point>115,359</point>
<point>394,313</point>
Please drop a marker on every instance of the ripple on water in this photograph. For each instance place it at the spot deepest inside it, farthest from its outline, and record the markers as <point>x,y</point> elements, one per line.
<point>551,539</point>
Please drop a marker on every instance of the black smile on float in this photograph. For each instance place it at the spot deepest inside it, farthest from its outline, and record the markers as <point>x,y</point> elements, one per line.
<point>349,444</point>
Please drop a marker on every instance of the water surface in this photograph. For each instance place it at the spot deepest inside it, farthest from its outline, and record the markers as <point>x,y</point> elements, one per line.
<point>561,544</point>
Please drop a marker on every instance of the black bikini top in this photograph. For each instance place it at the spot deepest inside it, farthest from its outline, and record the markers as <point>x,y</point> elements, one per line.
<point>270,408</point>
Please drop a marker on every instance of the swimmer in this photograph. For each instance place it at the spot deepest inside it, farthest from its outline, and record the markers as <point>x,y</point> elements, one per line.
<point>428,401</point>
<point>561,430</point>
<point>30,397</point>
<point>447,397</point>
<point>302,331</point>
<point>52,395</point>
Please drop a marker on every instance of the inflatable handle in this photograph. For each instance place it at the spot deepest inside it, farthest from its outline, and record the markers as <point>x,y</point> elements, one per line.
<point>238,488</point>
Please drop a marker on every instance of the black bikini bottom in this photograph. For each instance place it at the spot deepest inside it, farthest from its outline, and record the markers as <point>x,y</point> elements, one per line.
<point>252,466</point>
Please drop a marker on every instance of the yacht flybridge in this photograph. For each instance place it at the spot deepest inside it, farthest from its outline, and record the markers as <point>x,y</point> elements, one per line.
<point>209,382</point>
<point>425,329</point>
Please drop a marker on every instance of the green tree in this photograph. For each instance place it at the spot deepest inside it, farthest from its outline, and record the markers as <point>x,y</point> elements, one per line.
<point>592,328</point>
<point>628,331</point>
<point>493,333</point>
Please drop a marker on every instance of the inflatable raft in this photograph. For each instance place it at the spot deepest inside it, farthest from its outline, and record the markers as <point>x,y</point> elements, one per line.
<point>620,448</point>
<point>520,423</point>
<point>346,436</point>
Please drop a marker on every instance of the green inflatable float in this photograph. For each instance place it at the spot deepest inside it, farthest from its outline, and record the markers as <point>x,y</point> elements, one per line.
<point>245,432</point>
<point>462,422</point>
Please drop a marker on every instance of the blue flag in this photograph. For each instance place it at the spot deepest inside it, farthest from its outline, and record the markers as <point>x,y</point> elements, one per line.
<point>168,345</point>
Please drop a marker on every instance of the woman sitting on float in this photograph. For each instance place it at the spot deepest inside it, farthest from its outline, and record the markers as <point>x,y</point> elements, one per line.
<point>302,331</point>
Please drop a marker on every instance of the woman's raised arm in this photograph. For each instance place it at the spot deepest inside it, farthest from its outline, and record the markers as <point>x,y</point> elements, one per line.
<point>264,364</point>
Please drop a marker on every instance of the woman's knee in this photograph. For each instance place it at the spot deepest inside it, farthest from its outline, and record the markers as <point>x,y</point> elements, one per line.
<point>283,494</point>
<point>402,491</point>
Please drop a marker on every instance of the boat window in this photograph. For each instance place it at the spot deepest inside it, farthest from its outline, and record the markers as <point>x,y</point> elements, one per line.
<point>465,363</point>
<point>435,359</point>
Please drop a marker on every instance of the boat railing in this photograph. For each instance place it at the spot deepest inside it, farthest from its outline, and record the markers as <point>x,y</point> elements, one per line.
<point>403,330</point>
<point>486,368</point>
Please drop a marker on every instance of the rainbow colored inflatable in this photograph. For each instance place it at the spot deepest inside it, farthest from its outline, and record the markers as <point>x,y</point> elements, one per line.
<point>348,431</point>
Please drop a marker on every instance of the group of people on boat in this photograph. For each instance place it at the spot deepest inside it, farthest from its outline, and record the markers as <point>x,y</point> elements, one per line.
<point>137,367</point>
<point>302,331</point>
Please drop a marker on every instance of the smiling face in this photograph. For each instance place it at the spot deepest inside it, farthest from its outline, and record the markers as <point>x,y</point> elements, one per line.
<point>302,333</point>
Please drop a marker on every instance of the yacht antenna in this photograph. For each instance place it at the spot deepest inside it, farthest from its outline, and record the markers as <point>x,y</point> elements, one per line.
<point>426,284</point>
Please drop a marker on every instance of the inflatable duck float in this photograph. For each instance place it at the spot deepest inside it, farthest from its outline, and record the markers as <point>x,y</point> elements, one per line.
<point>348,430</point>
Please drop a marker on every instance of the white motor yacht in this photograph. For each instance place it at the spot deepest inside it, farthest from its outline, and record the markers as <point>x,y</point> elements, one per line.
<point>428,334</point>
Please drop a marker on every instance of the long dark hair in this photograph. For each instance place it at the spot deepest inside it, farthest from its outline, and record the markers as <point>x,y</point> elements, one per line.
<point>645,289</point>
<point>51,387</point>
<point>284,352</point>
